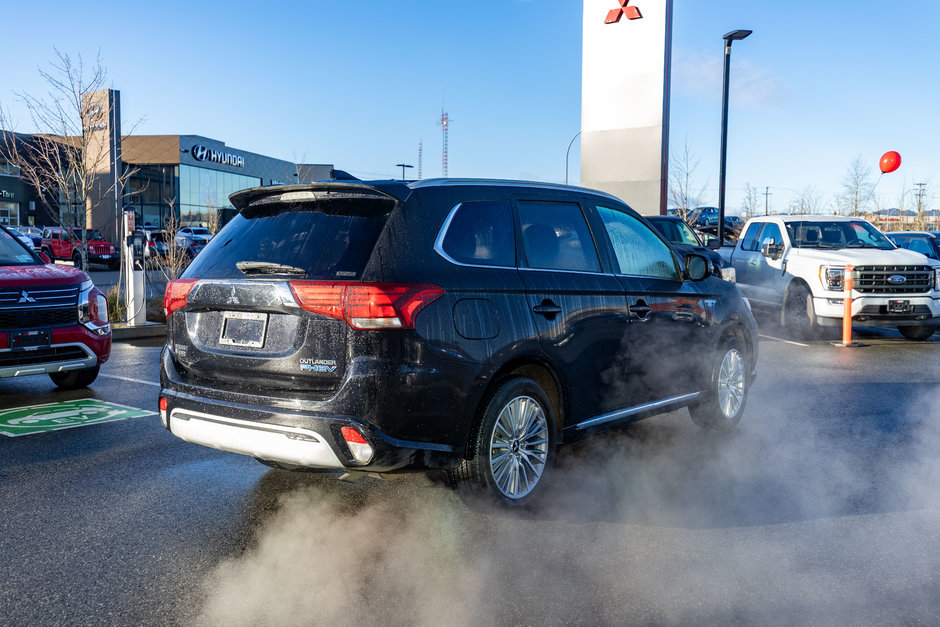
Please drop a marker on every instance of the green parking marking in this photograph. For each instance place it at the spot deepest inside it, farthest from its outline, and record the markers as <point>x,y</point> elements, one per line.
<point>63,415</point>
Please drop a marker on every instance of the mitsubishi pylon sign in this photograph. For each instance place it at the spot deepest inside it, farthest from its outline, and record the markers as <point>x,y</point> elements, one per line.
<point>625,100</point>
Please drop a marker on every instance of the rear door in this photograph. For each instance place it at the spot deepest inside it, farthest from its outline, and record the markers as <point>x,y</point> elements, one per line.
<point>577,306</point>
<point>243,322</point>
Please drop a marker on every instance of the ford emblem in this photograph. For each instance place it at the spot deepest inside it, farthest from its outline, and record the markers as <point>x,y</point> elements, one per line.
<point>897,279</point>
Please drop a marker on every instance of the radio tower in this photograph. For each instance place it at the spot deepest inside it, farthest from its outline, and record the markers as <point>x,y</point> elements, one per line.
<point>445,122</point>
<point>420,156</point>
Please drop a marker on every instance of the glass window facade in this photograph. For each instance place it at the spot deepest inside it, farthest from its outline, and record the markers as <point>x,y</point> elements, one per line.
<point>202,189</point>
<point>191,192</point>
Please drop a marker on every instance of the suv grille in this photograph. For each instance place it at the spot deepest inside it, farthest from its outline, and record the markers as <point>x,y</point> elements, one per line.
<point>874,279</point>
<point>39,306</point>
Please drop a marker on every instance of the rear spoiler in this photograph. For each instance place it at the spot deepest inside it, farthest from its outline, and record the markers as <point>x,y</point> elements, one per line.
<point>392,192</point>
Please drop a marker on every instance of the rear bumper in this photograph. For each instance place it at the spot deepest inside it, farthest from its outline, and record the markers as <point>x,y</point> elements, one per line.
<point>295,437</point>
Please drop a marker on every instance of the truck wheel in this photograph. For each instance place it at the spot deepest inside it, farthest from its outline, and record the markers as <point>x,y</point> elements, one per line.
<point>513,448</point>
<point>77,259</point>
<point>727,389</point>
<point>799,313</point>
<point>48,252</point>
<point>74,379</point>
<point>917,332</point>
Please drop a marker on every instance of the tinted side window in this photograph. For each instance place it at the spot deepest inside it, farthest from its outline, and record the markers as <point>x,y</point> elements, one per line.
<point>481,233</point>
<point>749,241</point>
<point>639,251</point>
<point>555,235</point>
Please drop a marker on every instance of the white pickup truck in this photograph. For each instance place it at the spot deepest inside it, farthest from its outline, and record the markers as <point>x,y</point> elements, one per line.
<point>795,265</point>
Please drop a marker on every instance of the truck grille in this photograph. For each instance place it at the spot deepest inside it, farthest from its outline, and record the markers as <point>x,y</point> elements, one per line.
<point>874,279</point>
<point>38,306</point>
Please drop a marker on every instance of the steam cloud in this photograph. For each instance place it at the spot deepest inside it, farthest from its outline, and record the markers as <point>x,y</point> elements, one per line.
<point>789,520</point>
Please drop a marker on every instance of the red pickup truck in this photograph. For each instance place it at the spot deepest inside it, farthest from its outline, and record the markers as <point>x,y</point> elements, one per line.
<point>62,243</point>
<point>53,320</point>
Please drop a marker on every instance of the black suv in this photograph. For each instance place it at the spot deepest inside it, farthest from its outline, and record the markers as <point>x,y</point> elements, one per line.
<point>469,326</point>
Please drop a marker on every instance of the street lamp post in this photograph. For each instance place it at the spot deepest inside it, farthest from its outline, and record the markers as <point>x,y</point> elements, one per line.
<point>728,37</point>
<point>403,166</point>
<point>568,152</point>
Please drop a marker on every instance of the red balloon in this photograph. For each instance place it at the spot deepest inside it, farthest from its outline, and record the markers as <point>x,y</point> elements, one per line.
<point>890,161</point>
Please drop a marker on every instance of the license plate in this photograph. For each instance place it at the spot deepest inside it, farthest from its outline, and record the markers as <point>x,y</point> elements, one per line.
<point>30,340</point>
<point>105,256</point>
<point>242,328</point>
<point>899,306</point>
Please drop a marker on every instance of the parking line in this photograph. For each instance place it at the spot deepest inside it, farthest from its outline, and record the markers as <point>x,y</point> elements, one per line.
<point>128,379</point>
<point>777,339</point>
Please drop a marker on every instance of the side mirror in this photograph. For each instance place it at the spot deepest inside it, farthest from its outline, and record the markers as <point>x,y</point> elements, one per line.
<point>713,243</point>
<point>774,251</point>
<point>696,267</point>
<point>45,258</point>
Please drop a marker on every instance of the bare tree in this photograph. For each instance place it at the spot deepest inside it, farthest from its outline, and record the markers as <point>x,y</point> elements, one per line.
<point>177,256</point>
<point>66,154</point>
<point>685,194</point>
<point>751,203</point>
<point>213,217</point>
<point>857,188</point>
<point>809,202</point>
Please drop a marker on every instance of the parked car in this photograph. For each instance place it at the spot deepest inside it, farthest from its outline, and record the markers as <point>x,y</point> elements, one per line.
<point>33,232</point>
<point>23,237</point>
<point>924,242</point>
<point>194,232</point>
<point>53,320</point>
<point>795,265</point>
<point>469,326</point>
<point>685,240</point>
<point>63,243</point>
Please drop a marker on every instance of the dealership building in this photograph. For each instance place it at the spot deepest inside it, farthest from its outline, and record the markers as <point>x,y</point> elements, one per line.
<point>189,177</point>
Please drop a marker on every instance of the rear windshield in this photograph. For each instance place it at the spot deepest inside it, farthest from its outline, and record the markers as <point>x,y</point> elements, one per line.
<point>12,252</point>
<point>298,241</point>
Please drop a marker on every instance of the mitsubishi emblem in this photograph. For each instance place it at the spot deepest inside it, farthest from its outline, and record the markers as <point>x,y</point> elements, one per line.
<point>614,15</point>
<point>233,298</point>
<point>26,298</point>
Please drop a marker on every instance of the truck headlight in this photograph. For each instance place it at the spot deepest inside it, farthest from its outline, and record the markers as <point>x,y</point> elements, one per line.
<point>831,277</point>
<point>936,279</point>
<point>728,274</point>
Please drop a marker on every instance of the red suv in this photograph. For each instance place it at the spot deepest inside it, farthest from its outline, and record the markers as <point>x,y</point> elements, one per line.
<point>62,243</point>
<point>53,320</point>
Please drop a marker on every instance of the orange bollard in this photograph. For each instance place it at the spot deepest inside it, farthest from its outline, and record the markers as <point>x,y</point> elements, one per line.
<point>848,284</point>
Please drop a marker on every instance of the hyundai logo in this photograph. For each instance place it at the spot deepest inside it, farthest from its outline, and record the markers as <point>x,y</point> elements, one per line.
<point>897,279</point>
<point>200,152</point>
<point>94,112</point>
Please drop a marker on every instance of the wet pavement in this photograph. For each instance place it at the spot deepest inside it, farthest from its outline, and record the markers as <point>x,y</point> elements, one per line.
<point>820,508</point>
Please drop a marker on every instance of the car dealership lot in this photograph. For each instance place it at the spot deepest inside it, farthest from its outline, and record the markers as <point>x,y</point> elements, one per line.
<point>822,507</point>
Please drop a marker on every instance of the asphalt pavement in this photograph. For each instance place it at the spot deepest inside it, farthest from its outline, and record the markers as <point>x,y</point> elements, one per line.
<point>821,508</point>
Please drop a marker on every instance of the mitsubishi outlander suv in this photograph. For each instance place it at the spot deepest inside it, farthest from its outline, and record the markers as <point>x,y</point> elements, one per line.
<point>468,326</point>
<point>53,320</point>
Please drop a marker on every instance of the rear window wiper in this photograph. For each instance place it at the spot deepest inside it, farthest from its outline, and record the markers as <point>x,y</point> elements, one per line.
<point>266,267</point>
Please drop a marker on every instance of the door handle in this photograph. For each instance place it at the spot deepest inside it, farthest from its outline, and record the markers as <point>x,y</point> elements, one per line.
<point>547,308</point>
<point>640,309</point>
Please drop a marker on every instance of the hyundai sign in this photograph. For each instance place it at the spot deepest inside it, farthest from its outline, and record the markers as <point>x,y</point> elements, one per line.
<point>202,153</point>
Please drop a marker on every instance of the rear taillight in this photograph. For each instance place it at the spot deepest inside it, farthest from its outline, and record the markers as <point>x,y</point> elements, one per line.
<point>176,293</point>
<point>366,305</point>
<point>163,406</point>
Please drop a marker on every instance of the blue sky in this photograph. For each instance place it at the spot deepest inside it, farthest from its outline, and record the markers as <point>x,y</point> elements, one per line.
<point>358,84</point>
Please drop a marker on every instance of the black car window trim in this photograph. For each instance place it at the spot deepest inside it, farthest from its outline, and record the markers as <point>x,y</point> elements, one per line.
<point>442,235</point>
<point>586,207</point>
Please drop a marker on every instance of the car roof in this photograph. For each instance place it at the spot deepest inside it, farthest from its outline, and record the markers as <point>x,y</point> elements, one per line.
<point>924,233</point>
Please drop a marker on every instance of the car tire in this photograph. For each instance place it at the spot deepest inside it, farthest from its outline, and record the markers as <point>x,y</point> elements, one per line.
<point>77,260</point>
<point>799,313</point>
<point>728,387</point>
<point>74,379</point>
<point>918,332</point>
<point>512,449</point>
